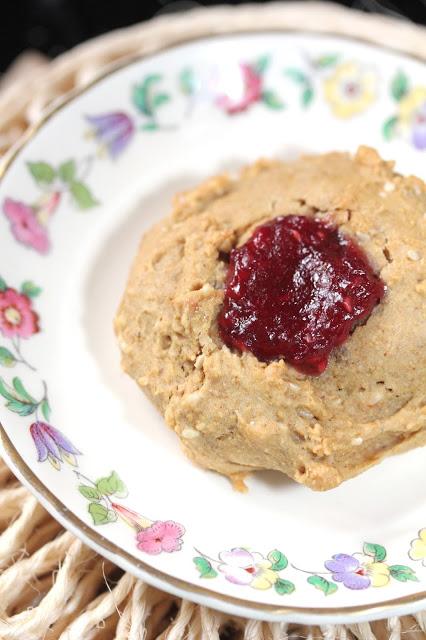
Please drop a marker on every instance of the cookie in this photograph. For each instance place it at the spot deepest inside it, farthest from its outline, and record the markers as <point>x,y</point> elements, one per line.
<point>237,410</point>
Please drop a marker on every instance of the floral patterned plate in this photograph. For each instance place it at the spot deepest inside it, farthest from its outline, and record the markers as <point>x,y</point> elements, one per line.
<point>74,201</point>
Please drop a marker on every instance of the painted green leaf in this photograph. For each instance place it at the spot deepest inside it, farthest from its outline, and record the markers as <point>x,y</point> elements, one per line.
<point>28,288</point>
<point>278,560</point>
<point>91,493</point>
<point>82,195</point>
<point>18,399</point>
<point>307,96</point>
<point>118,486</point>
<point>3,285</point>
<point>98,512</point>
<point>149,126</point>
<point>389,128</point>
<point>187,81</point>
<point>45,409</point>
<point>204,567</point>
<point>327,587</point>
<point>67,171</point>
<point>402,573</point>
<point>6,391</point>
<point>112,485</point>
<point>159,99</point>
<point>151,79</point>
<point>103,487</point>
<point>21,392</point>
<point>111,515</point>
<point>296,75</point>
<point>42,172</point>
<point>376,551</point>
<point>326,61</point>
<point>141,94</point>
<point>261,64</point>
<point>7,359</point>
<point>140,100</point>
<point>21,408</point>
<point>272,100</point>
<point>399,85</point>
<point>284,587</point>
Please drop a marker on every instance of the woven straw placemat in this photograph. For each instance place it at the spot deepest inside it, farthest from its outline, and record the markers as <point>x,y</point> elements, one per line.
<point>51,585</point>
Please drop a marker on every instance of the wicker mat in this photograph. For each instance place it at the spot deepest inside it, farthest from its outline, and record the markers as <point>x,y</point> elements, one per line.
<point>51,585</point>
<point>54,587</point>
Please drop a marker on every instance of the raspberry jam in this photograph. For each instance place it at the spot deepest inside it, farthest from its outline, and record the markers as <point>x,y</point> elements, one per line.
<point>296,290</point>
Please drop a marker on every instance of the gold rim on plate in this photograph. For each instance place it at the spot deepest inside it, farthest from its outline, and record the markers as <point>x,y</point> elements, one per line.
<point>57,509</point>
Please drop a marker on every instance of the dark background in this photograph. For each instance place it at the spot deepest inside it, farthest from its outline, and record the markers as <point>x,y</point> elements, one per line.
<point>52,26</point>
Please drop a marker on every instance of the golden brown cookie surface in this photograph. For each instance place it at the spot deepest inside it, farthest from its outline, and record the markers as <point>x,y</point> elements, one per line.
<point>234,413</point>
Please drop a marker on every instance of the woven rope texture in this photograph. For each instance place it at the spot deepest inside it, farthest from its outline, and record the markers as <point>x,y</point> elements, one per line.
<point>51,585</point>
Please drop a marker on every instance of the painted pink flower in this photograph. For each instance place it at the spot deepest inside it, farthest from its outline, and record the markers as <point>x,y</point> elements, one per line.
<point>52,445</point>
<point>17,317</point>
<point>161,536</point>
<point>46,206</point>
<point>25,226</point>
<point>130,517</point>
<point>151,537</point>
<point>252,91</point>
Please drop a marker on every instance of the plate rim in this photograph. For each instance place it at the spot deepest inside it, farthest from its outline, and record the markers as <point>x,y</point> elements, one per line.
<point>128,562</point>
<point>59,103</point>
<point>183,588</point>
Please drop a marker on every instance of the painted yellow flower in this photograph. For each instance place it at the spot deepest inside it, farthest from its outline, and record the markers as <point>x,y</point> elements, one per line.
<point>350,89</point>
<point>378,572</point>
<point>265,577</point>
<point>418,547</point>
<point>241,566</point>
<point>411,103</point>
<point>412,115</point>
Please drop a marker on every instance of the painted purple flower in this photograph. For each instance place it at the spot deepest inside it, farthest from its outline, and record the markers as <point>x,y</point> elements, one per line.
<point>114,131</point>
<point>412,115</point>
<point>347,569</point>
<point>419,127</point>
<point>52,445</point>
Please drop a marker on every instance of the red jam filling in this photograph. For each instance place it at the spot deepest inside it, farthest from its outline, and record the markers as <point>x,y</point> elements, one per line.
<point>296,290</point>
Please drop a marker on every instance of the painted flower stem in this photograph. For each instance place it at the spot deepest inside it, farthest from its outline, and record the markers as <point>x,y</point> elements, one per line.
<point>45,397</point>
<point>81,476</point>
<point>200,553</point>
<point>168,127</point>
<point>45,393</point>
<point>189,108</point>
<point>161,127</point>
<point>87,165</point>
<point>105,498</point>
<point>20,358</point>
<point>311,573</point>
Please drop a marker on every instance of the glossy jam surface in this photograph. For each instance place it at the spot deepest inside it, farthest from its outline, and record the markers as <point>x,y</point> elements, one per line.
<point>296,290</point>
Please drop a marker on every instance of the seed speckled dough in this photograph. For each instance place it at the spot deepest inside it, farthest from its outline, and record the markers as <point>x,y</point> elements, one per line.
<point>235,414</point>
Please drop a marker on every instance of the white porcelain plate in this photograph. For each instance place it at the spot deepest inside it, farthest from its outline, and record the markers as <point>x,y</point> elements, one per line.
<point>74,202</point>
